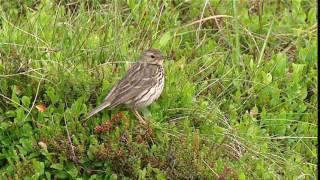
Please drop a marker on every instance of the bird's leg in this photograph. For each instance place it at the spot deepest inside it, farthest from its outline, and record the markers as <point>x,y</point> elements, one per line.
<point>140,118</point>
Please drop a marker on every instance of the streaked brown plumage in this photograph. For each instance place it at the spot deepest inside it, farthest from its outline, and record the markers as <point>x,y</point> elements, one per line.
<point>140,87</point>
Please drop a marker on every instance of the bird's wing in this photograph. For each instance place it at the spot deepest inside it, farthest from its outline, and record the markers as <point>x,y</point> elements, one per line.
<point>141,76</point>
<point>97,109</point>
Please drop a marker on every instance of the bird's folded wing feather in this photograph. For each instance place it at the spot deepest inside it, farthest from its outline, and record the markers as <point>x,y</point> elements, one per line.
<point>139,78</point>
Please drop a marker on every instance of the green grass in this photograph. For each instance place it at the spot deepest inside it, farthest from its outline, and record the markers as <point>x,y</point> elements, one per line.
<point>240,98</point>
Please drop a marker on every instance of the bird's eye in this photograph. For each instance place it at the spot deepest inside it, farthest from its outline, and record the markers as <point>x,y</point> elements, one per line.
<point>152,56</point>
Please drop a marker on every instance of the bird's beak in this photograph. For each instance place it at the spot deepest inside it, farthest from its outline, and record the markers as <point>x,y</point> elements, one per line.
<point>160,62</point>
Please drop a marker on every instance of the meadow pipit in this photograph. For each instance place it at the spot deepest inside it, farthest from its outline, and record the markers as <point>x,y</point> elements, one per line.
<point>140,87</point>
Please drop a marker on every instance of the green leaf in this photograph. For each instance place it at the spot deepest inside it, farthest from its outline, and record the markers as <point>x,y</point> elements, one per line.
<point>35,176</point>
<point>77,107</point>
<point>281,65</point>
<point>297,70</point>
<point>38,167</point>
<point>27,144</point>
<point>165,39</point>
<point>268,78</point>
<point>242,176</point>
<point>57,166</point>
<point>20,116</point>
<point>113,177</point>
<point>14,96</point>
<point>142,173</point>
<point>72,170</point>
<point>10,113</point>
<point>52,95</point>
<point>48,175</point>
<point>26,101</point>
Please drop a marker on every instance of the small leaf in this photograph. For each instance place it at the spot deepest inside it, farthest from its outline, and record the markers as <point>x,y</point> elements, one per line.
<point>268,78</point>
<point>18,90</point>
<point>113,177</point>
<point>26,101</point>
<point>251,64</point>
<point>281,66</point>
<point>10,113</point>
<point>57,166</point>
<point>20,116</point>
<point>14,97</point>
<point>35,176</point>
<point>38,167</point>
<point>52,95</point>
<point>27,144</point>
<point>242,176</point>
<point>142,173</point>
<point>164,39</point>
<point>72,170</point>
<point>41,107</point>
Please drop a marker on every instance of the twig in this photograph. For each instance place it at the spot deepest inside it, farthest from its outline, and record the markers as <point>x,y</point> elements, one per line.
<point>74,158</point>
<point>26,72</point>
<point>264,44</point>
<point>5,97</point>
<point>206,19</point>
<point>200,24</point>
<point>35,99</point>
<point>216,174</point>
<point>159,18</point>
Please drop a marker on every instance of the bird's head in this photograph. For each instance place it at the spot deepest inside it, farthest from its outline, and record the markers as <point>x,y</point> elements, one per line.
<point>153,56</point>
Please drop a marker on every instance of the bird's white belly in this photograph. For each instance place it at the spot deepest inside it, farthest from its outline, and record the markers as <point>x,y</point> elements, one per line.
<point>150,96</point>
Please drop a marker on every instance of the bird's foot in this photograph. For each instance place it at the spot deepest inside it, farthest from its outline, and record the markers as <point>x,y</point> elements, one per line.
<point>142,120</point>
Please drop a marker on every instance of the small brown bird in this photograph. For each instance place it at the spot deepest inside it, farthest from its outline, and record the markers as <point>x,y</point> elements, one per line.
<point>140,87</point>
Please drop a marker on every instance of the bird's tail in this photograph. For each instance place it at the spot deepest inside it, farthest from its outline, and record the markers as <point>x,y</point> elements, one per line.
<point>97,109</point>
